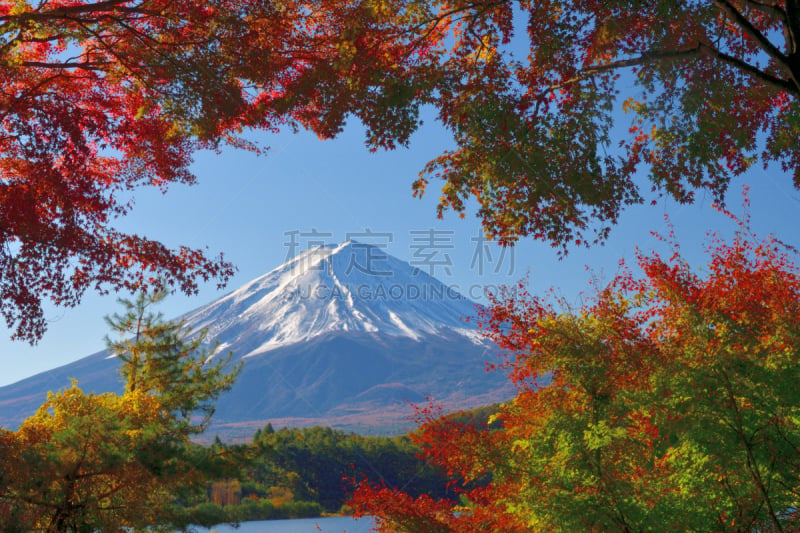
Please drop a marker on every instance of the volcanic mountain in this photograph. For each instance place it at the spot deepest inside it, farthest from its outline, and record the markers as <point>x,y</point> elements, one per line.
<point>342,335</point>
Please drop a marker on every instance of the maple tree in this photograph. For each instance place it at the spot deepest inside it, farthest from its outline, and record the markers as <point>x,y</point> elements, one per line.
<point>99,98</point>
<point>557,107</point>
<point>672,403</point>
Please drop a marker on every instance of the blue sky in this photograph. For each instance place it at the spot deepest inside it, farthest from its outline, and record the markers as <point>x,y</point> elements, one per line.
<point>244,206</point>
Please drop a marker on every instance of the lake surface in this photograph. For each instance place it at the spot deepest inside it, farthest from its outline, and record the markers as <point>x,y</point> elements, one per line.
<point>339,524</point>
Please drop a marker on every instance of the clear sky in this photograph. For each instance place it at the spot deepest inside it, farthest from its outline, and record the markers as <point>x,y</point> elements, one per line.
<point>246,206</point>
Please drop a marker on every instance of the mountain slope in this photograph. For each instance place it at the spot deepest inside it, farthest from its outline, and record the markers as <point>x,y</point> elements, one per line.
<point>343,335</point>
<point>349,287</point>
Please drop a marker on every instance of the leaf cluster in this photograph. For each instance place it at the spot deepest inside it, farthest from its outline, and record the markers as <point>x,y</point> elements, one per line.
<point>110,462</point>
<point>100,98</point>
<point>672,404</point>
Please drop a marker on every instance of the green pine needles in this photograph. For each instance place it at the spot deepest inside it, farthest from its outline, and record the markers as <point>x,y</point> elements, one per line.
<point>160,357</point>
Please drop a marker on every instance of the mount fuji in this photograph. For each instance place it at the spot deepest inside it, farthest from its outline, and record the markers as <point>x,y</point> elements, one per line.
<point>342,335</point>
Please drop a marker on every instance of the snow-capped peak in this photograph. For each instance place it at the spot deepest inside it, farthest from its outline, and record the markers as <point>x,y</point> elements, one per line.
<point>351,286</point>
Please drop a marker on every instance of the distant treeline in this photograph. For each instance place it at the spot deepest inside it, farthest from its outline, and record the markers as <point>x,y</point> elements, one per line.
<point>299,473</point>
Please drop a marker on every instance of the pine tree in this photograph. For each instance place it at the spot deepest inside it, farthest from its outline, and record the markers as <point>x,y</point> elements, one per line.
<point>160,357</point>
<point>111,462</point>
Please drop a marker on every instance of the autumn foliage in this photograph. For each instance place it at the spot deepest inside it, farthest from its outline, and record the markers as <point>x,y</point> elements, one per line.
<point>109,462</point>
<point>100,98</point>
<point>80,462</point>
<point>672,405</point>
<point>557,106</point>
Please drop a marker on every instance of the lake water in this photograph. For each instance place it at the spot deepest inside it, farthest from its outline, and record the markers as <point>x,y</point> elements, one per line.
<point>339,524</point>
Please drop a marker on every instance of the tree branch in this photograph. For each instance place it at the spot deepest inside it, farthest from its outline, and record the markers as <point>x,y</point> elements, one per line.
<point>659,55</point>
<point>752,463</point>
<point>753,32</point>
<point>793,26</point>
<point>778,13</point>
<point>86,65</point>
<point>769,79</point>
<point>62,12</point>
<point>768,9</point>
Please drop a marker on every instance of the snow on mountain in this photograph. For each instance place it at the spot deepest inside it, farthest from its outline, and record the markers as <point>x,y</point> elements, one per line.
<point>347,287</point>
<point>342,335</point>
